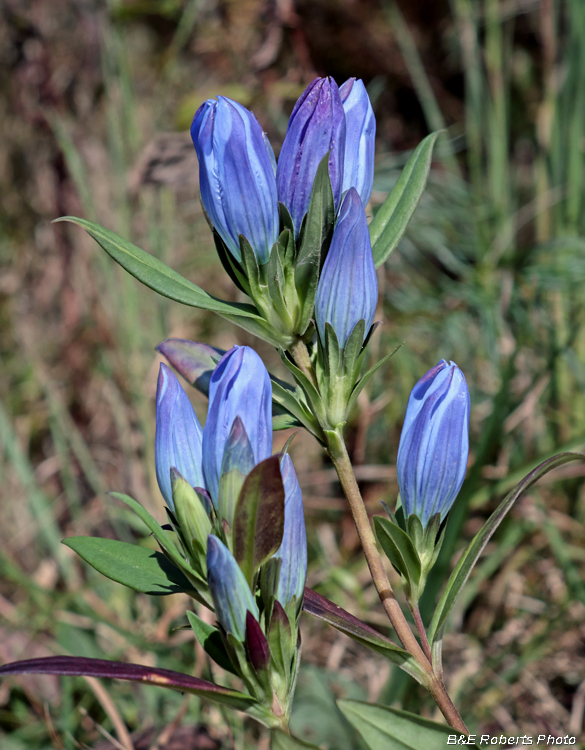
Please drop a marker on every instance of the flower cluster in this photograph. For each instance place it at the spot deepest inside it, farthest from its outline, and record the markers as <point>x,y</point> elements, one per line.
<point>215,481</point>
<point>242,186</point>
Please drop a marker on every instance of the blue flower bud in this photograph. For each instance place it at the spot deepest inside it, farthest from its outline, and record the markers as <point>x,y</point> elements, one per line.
<point>360,139</point>
<point>236,176</point>
<point>239,387</point>
<point>178,438</point>
<point>434,445</point>
<point>293,549</point>
<point>316,126</point>
<point>348,287</point>
<point>229,589</point>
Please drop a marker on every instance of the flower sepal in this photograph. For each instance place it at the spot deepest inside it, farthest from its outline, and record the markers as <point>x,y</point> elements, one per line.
<point>338,371</point>
<point>412,549</point>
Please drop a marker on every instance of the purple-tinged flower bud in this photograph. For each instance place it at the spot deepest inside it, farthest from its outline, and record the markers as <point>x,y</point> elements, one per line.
<point>239,387</point>
<point>178,435</point>
<point>316,126</point>
<point>434,445</point>
<point>293,549</point>
<point>348,287</point>
<point>256,644</point>
<point>236,176</point>
<point>360,139</point>
<point>229,589</point>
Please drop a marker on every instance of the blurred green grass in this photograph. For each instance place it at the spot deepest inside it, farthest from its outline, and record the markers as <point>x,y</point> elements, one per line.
<point>490,274</point>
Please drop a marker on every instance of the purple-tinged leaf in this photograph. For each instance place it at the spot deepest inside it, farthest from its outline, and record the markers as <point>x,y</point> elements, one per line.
<point>259,517</point>
<point>256,644</point>
<point>317,605</point>
<point>166,678</point>
<point>193,360</point>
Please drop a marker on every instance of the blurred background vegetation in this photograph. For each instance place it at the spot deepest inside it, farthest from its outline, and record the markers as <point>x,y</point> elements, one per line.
<point>96,99</point>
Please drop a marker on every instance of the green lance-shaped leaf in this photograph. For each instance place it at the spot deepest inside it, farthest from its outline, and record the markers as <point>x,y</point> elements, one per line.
<point>385,728</point>
<point>166,678</point>
<point>317,605</point>
<point>162,279</point>
<point>471,555</point>
<point>259,517</point>
<point>159,534</point>
<point>156,274</point>
<point>391,220</point>
<point>139,568</point>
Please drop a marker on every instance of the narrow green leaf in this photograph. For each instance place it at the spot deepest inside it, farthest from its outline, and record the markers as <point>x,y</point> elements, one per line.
<point>362,382</point>
<point>259,517</point>
<point>287,400</point>
<point>311,392</point>
<point>399,549</point>
<point>385,728</point>
<point>138,568</point>
<point>471,555</point>
<point>211,640</point>
<point>281,741</point>
<point>391,220</point>
<point>155,274</point>
<point>159,534</point>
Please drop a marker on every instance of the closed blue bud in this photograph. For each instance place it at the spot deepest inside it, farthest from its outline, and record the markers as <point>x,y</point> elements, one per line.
<point>239,387</point>
<point>178,438</point>
<point>360,139</point>
<point>316,126</point>
<point>434,445</point>
<point>236,176</point>
<point>293,549</point>
<point>229,589</point>
<point>348,287</point>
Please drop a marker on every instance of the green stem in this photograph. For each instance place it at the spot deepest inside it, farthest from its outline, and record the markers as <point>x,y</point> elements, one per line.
<point>342,462</point>
<point>303,360</point>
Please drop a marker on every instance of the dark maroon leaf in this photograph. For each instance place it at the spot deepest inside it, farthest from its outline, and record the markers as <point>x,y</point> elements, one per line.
<point>256,644</point>
<point>259,516</point>
<point>76,665</point>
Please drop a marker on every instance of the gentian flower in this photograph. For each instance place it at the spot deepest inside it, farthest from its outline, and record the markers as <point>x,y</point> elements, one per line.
<point>360,139</point>
<point>293,550</point>
<point>178,440</point>
<point>434,445</point>
<point>239,387</point>
<point>236,176</point>
<point>348,287</point>
<point>316,126</point>
<point>229,589</point>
